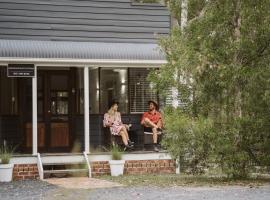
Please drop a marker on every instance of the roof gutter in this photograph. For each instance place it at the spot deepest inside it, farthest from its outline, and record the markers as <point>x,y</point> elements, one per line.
<point>84,62</point>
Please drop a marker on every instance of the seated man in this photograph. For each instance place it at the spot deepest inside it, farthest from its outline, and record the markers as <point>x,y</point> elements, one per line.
<point>152,122</point>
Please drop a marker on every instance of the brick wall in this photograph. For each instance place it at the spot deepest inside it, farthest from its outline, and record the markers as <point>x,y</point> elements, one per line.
<point>100,168</point>
<point>25,171</point>
<point>137,167</point>
<point>149,167</point>
<point>30,171</point>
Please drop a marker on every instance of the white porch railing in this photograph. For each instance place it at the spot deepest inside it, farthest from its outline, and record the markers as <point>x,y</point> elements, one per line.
<point>88,164</point>
<point>40,167</point>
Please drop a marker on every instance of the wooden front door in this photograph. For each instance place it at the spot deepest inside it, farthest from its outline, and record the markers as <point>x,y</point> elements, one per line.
<point>57,108</point>
<point>54,116</point>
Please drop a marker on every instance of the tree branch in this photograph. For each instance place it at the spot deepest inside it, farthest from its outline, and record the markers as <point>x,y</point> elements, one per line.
<point>201,14</point>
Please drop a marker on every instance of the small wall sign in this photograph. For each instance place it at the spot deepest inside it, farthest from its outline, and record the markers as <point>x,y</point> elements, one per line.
<point>21,70</point>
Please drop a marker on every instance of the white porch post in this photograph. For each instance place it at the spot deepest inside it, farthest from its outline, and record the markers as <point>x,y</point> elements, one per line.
<point>34,113</point>
<point>86,110</point>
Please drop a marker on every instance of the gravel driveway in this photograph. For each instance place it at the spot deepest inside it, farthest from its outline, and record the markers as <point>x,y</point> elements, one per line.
<point>185,193</point>
<point>26,190</point>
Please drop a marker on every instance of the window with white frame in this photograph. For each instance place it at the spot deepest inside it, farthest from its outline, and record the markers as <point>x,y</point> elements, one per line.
<point>113,86</point>
<point>129,86</point>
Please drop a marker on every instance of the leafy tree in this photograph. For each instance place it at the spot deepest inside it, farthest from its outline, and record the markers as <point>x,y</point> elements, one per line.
<point>223,75</point>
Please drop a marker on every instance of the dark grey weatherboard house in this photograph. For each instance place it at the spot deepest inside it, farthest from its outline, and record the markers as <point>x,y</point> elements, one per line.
<point>81,54</point>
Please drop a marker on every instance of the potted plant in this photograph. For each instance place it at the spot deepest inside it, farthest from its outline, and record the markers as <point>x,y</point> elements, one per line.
<point>116,164</point>
<point>6,169</point>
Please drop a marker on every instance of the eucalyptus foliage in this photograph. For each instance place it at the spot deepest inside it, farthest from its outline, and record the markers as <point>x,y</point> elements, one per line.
<point>222,66</point>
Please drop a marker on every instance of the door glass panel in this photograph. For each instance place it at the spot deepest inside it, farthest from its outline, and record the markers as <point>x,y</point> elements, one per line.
<point>62,107</point>
<point>59,103</point>
<point>62,94</point>
<point>53,107</point>
<point>59,97</point>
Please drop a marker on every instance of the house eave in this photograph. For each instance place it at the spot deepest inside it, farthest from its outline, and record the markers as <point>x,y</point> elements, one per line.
<point>84,62</point>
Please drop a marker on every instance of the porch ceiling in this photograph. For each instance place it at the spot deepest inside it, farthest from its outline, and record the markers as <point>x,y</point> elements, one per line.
<point>79,52</point>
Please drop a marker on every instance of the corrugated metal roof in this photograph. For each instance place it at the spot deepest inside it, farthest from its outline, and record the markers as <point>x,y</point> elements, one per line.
<point>79,50</point>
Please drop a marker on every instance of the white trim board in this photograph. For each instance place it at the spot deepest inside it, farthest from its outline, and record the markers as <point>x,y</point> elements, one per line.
<point>84,62</point>
<point>92,158</point>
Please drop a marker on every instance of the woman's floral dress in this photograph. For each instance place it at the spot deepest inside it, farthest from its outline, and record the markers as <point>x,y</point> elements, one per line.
<point>117,123</point>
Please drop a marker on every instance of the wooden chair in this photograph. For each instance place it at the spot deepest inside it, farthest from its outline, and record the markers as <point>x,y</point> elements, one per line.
<point>148,137</point>
<point>112,139</point>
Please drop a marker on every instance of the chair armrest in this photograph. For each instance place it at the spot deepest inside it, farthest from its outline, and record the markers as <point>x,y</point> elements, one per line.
<point>151,133</point>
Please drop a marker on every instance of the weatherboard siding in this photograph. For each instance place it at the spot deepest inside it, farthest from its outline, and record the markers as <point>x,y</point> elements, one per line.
<point>83,20</point>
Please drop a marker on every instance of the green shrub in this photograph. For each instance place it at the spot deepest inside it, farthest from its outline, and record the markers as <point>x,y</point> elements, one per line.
<point>190,139</point>
<point>233,161</point>
<point>240,146</point>
<point>235,147</point>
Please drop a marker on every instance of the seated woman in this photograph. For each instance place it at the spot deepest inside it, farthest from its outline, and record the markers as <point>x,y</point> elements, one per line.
<point>112,119</point>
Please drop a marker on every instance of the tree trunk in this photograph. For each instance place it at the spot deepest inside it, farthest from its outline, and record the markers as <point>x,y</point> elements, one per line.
<point>184,14</point>
<point>237,34</point>
<point>175,91</point>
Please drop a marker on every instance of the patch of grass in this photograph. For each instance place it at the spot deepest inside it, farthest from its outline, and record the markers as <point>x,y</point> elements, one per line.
<point>165,180</point>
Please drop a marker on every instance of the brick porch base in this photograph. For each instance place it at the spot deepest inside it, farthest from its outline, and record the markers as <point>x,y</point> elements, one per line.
<point>166,166</point>
<point>25,171</point>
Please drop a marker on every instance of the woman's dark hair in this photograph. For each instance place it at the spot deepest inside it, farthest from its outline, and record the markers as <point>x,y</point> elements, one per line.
<point>113,102</point>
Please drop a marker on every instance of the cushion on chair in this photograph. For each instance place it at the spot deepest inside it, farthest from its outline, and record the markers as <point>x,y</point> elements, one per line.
<point>148,131</point>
